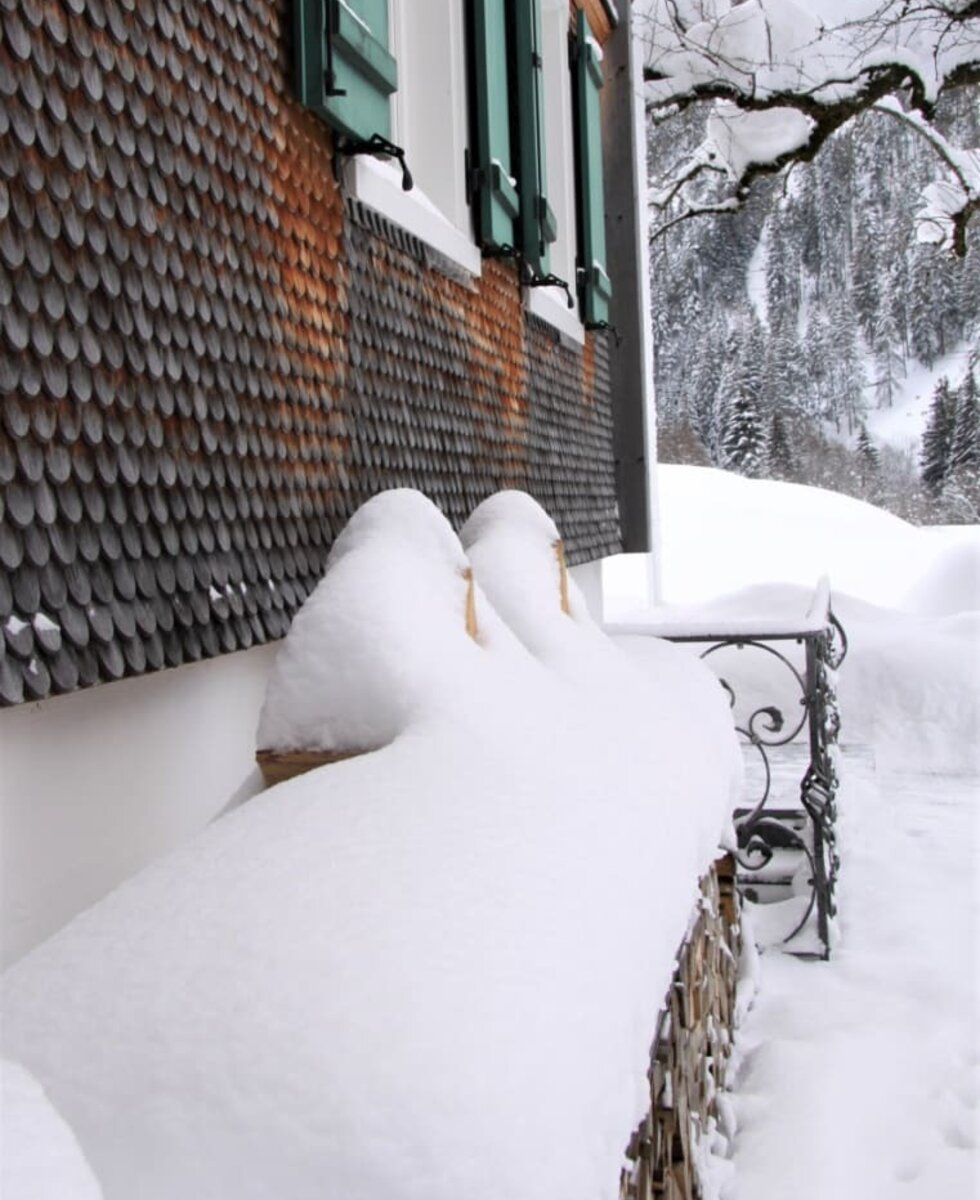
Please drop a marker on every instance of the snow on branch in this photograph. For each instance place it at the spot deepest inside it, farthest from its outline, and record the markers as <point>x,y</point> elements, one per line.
<point>783,79</point>
<point>948,204</point>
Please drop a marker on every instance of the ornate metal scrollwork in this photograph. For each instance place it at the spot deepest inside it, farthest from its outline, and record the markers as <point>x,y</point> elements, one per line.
<point>803,835</point>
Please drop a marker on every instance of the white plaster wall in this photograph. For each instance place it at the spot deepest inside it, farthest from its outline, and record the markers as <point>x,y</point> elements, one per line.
<point>96,784</point>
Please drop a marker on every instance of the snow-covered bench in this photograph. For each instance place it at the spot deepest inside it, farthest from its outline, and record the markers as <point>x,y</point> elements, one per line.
<point>430,970</point>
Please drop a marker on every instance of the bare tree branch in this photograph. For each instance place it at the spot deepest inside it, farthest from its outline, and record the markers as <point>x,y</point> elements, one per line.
<point>915,49</point>
<point>960,218</point>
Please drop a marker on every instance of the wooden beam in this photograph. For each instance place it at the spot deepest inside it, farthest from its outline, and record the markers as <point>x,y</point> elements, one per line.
<point>279,765</point>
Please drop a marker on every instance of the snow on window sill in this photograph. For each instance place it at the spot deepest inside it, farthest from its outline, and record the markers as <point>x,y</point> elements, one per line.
<point>378,185</point>
<point>551,305</point>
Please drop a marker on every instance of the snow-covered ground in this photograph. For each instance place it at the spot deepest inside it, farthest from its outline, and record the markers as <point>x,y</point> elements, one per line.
<point>901,424</point>
<point>860,1077</point>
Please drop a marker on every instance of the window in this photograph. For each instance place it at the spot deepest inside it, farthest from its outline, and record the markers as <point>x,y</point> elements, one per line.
<point>493,166</point>
<point>552,303</point>
<point>429,111</point>
<point>536,218</point>
<point>559,137</point>
<point>509,165</point>
<point>401,70</point>
<point>530,181</point>
<point>429,122</point>
<point>594,287</point>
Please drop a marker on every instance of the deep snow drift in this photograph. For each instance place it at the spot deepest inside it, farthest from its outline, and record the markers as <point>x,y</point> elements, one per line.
<point>430,971</point>
<point>909,599</point>
<point>39,1156</point>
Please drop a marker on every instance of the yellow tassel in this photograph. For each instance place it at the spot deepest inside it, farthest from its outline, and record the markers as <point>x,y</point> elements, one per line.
<point>471,626</point>
<point>562,576</point>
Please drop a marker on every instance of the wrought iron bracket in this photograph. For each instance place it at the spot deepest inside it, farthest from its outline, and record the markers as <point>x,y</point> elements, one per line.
<point>376,144</point>
<point>605,327</point>
<point>532,280</point>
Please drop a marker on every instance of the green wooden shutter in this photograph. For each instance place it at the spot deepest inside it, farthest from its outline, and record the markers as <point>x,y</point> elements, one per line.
<point>595,289</point>
<point>343,70</point>
<point>537,221</point>
<point>494,188</point>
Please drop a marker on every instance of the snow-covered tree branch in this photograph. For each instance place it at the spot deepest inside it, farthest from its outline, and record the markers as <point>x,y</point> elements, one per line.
<point>781,79</point>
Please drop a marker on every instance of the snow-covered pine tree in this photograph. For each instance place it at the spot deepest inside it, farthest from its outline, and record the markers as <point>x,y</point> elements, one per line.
<point>867,450</point>
<point>925,332</point>
<point>744,443</point>
<point>897,290</point>
<point>869,464</point>
<point>703,402</point>
<point>782,274</point>
<point>846,372</point>
<point>782,462</point>
<point>867,273</point>
<point>937,440</point>
<point>965,449</point>
<point>887,345</point>
<point>784,378</point>
<point>964,476</point>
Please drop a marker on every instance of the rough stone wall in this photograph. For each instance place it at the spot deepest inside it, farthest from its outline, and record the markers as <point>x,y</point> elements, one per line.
<point>209,356</point>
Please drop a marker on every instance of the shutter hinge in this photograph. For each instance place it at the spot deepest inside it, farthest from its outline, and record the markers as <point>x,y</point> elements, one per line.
<point>329,75</point>
<point>471,175</point>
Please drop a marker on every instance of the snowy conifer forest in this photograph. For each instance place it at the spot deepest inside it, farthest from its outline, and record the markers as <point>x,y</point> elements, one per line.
<point>787,333</point>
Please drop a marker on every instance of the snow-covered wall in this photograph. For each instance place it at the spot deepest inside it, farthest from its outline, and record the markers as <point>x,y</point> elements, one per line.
<point>340,987</point>
<point>96,784</point>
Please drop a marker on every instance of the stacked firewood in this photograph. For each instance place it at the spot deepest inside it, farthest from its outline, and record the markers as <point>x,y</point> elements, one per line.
<point>691,1050</point>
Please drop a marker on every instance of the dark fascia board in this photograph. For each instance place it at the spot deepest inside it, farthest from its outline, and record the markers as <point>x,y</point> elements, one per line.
<point>625,235</point>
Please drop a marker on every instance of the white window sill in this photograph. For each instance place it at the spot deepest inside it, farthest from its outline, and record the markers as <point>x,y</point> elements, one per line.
<point>551,305</point>
<point>379,185</point>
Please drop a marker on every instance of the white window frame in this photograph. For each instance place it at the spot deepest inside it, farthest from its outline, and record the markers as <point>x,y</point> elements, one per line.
<point>551,303</point>
<point>446,223</point>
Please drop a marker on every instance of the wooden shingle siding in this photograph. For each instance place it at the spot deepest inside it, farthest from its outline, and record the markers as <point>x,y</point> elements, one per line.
<point>209,358</point>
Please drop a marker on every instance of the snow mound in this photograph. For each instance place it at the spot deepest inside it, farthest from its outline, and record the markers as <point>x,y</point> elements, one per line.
<point>381,640</point>
<point>952,582</point>
<point>427,972</point>
<point>514,547</point>
<point>40,1159</point>
<point>909,688</point>
<point>722,532</point>
<point>518,561</point>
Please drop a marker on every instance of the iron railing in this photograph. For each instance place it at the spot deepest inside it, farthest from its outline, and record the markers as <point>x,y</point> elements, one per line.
<point>787,845</point>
